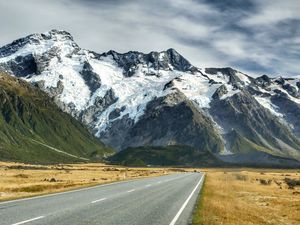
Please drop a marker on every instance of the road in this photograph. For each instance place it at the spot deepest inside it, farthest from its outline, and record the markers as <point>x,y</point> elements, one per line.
<point>168,200</point>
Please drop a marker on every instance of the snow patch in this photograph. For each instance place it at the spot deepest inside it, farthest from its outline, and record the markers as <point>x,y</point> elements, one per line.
<point>196,88</point>
<point>266,103</point>
<point>161,56</point>
<point>243,78</point>
<point>231,91</point>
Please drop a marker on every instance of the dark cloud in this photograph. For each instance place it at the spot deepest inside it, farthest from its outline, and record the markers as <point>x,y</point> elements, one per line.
<point>243,34</point>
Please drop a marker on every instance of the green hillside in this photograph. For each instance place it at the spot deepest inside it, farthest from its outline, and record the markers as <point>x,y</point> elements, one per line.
<point>33,129</point>
<point>173,155</point>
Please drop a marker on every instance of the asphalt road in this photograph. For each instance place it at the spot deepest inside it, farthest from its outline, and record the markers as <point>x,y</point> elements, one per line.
<point>161,200</point>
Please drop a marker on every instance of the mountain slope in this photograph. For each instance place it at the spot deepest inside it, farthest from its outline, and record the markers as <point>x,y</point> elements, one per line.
<point>259,129</point>
<point>158,99</point>
<point>33,129</point>
<point>172,155</point>
<point>167,120</point>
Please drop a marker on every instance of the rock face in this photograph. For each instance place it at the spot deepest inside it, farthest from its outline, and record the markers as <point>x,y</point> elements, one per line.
<point>91,78</point>
<point>254,126</point>
<point>157,99</point>
<point>172,120</point>
<point>155,61</point>
<point>22,65</point>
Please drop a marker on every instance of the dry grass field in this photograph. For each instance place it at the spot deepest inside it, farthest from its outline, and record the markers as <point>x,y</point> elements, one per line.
<point>229,196</point>
<point>244,197</point>
<point>22,180</point>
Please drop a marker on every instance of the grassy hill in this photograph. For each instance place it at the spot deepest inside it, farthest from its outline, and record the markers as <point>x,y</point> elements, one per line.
<point>173,155</point>
<point>33,129</point>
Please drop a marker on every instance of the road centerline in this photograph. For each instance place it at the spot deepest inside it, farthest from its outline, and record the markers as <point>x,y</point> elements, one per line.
<point>27,221</point>
<point>98,200</point>
<point>132,190</point>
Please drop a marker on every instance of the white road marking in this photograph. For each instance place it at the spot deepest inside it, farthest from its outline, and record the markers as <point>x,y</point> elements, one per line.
<point>159,182</point>
<point>27,221</point>
<point>185,203</point>
<point>131,190</point>
<point>148,185</point>
<point>99,200</point>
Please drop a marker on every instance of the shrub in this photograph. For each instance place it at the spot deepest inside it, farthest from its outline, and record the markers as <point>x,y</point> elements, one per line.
<point>21,175</point>
<point>52,180</point>
<point>241,177</point>
<point>292,183</point>
<point>265,182</point>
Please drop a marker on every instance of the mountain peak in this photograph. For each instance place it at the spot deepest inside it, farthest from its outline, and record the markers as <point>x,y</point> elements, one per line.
<point>172,51</point>
<point>54,34</point>
<point>50,43</point>
<point>37,39</point>
<point>169,59</point>
<point>59,32</point>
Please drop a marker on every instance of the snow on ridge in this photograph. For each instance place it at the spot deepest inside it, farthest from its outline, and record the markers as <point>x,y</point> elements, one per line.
<point>30,49</point>
<point>75,90</point>
<point>161,56</point>
<point>132,92</point>
<point>244,78</point>
<point>266,103</point>
<point>231,91</point>
<point>196,88</point>
<point>64,67</point>
<point>38,45</point>
<point>136,91</point>
<point>274,86</point>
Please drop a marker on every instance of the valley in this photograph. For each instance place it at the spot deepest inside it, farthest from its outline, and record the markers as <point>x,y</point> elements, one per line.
<point>174,112</point>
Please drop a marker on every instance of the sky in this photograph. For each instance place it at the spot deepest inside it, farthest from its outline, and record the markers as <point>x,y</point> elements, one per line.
<point>254,36</point>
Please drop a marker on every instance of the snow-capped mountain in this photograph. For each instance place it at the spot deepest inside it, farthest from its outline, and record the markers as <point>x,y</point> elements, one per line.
<point>137,99</point>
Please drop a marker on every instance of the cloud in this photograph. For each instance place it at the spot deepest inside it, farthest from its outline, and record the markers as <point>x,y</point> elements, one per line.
<point>274,11</point>
<point>250,35</point>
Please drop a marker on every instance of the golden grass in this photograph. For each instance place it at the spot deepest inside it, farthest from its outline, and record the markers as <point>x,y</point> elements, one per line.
<point>19,180</point>
<point>229,196</point>
<point>244,197</point>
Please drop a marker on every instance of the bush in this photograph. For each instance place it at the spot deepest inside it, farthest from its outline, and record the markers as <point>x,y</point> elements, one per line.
<point>265,182</point>
<point>33,188</point>
<point>241,177</point>
<point>21,175</point>
<point>52,180</point>
<point>292,183</point>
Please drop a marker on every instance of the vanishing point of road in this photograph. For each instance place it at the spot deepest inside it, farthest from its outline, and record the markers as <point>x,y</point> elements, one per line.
<point>164,200</point>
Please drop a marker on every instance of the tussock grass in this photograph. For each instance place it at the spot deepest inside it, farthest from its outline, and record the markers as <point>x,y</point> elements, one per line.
<point>248,197</point>
<point>21,175</point>
<point>23,180</point>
